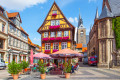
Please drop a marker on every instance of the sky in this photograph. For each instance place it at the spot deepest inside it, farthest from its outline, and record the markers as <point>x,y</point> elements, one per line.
<point>33,13</point>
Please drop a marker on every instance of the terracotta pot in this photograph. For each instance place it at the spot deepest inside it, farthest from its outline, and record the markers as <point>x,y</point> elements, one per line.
<point>22,71</point>
<point>15,76</point>
<point>43,76</point>
<point>67,75</point>
<point>12,75</point>
<point>25,69</point>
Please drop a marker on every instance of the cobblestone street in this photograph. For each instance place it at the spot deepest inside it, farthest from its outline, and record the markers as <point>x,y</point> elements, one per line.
<point>85,72</point>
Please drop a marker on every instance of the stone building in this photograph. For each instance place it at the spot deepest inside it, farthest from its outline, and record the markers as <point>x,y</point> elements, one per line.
<point>81,32</point>
<point>101,37</point>
<point>3,34</point>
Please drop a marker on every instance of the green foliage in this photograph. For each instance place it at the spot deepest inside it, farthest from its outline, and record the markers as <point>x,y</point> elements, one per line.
<point>116,28</point>
<point>67,67</point>
<point>24,64</point>
<point>42,67</point>
<point>14,68</point>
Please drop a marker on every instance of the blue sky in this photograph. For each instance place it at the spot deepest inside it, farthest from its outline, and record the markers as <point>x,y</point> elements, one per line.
<point>33,13</point>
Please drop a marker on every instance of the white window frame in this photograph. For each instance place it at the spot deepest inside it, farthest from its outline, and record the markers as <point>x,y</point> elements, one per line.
<point>47,46</point>
<point>3,28</point>
<point>45,34</point>
<point>52,34</point>
<point>63,45</point>
<point>66,33</point>
<point>59,34</point>
<point>54,11</point>
<point>57,22</point>
<point>52,22</point>
<point>56,46</point>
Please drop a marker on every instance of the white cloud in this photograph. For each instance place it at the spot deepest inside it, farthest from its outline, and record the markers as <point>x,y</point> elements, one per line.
<point>92,0</point>
<point>19,4</point>
<point>37,39</point>
<point>73,20</point>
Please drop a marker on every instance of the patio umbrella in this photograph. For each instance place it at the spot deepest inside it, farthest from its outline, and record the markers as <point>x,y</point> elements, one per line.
<point>31,57</point>
<point>66,53</point>
<point>41,56</point>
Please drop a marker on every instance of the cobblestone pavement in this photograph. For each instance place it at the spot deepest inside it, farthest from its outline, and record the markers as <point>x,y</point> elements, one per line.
<point>84,73</point>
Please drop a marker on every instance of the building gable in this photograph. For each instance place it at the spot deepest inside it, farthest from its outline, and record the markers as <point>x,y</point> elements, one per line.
<point>64,23</point>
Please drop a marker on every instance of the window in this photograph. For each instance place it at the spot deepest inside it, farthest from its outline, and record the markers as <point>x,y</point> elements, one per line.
<point>64,45</point>
<point>11,28</point>
<point>57,22</point>
<point>66,33</point>
<point>45,34</point>
<point>54,12</point>
<point>13,42</point>
<point>52,22</point>
<point>81,33</point>
<point>56,46</point>
<point>47,46</point>
<point>59,34</point>
<point>3,28</point>
<point>52,34</point>
<point>16,43</point>
<point>9,41</point>
<point>1,43</point>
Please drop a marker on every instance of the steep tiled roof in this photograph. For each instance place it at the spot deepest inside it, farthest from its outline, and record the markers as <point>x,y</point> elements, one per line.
<point>79,45</point>
<point>115,7</point>
<point>30,42</point>
<point>23,30</point>
<point>105,13</point>
<point>10,15</point>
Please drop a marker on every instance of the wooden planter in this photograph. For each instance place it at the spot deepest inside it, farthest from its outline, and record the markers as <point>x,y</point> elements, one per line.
<point>43,76</point>
<point>67,75</point>
<point>15,76</point>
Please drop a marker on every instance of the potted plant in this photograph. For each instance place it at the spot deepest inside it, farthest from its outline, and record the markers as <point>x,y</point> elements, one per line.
<point>67,69</point>
<point>24,65</point>
<point>42,69</point>
<point>14,69</point>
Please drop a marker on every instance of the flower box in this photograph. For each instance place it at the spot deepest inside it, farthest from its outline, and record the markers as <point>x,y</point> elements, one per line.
<point>55,50</point>
<point>45,39</point>
<point>47,51</point>
<point>54,14</point>
<point>54,27</point>
<point>52,38</point>
<point>66,38</point>
<point>59,38</point>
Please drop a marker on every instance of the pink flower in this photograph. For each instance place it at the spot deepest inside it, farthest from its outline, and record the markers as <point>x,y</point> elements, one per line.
<point>54,14</point>
<point>55,50</point>
<point>52,38</point>
<point>59,38</point>
<point>45,39</point>
<point>65,38</point>
<point>47,50</point>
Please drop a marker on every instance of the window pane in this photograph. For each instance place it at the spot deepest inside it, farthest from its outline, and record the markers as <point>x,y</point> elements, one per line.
<point>57,22</point>
<point>52,34</point>
<point>45,34</point>
<point>55,12</point>
<point>66,33</point>
<point>59,34</point>
<point>52,22</point>
<point>1,44</point>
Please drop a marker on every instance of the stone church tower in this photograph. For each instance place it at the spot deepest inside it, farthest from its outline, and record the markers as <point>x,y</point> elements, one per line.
<point>81,32</point>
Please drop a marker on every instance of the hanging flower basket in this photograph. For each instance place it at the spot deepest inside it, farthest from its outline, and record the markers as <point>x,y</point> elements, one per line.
<point>54,27</point>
